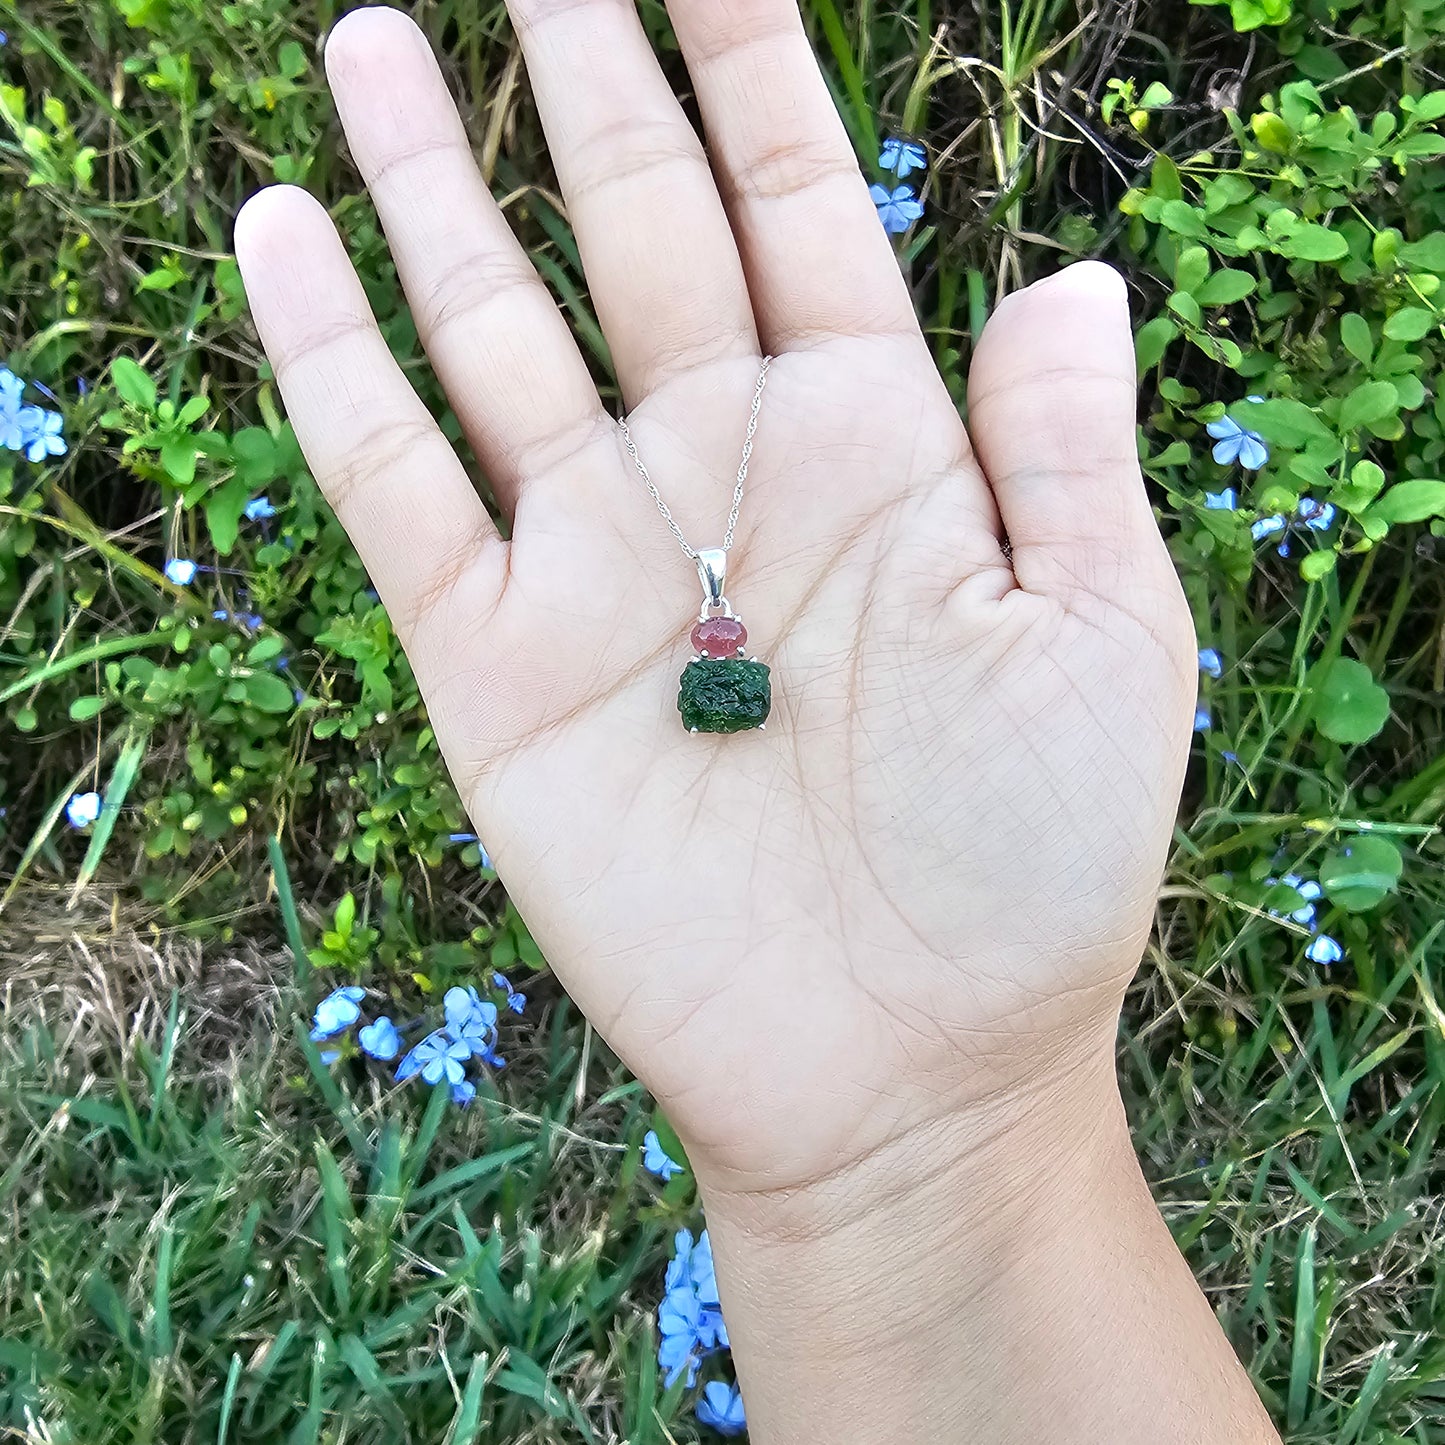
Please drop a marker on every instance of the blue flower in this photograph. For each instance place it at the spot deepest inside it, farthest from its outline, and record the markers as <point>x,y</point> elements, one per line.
<point>679,1273</point>
<point>721,1406</point>
<point>681,1349</point>
<point>1268,527</point>
<point>1225,501</point>
<point>902,156</point>
<point>329,1056</point>
<point>655,1159</point>
<point>515,1001</point>
<point>700,1270</point>
<point>1233,443</point>
<point>1318,516</point>
<point>1211,664</point>
<point>470,1018</point>
<point>83,809</point>
<point>438,1056</point>
<point>1324,950</point>
<point>44,439</point>
<point>1202,720</point>
<point>445,1059</point>
<point>380,1039</point>
<point>258,509</point>
<point>463,1093</point>
<point>181,570</point>
<point>1308,890</point>
<point>14,414</point>
<point>690,1322</point>
<point>337,1012</point>
<point>898,209</point>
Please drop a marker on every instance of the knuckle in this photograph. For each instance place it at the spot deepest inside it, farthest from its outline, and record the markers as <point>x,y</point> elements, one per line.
<point>791,167</point>
<point>466,289</point>
<point>375,450</point>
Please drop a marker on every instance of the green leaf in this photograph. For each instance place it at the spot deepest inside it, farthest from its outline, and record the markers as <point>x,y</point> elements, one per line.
<point>1311,242</point>
<point>1192,269</point>
<point>132,384</point>
<point>1360,875</point>
<point>1152,340</point>
<point>1427,254</point>
<point>223,507</point>
<point>1425,109</point>
<point>1182,218</point>
<point>85,708</point>
<point>1286,421</point>
<point>1224,288</point>
<point>1413,501</point>
<point>1183,305</point>
<point>1347,704</point>
<point>1355,337</point>
<point>178,457</point>
<point>1271,132</point>
<point>1315,565</point>
<point>1165,180</point>
<point>268,693</point>
<point>1368,403</point>
<point>1410,323</point>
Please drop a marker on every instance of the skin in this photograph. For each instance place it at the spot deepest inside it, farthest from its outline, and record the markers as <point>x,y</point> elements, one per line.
<point>871,959</point>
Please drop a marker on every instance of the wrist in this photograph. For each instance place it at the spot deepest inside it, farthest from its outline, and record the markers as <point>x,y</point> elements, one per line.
<point>998,1150</point>
<point>1002,1276</point>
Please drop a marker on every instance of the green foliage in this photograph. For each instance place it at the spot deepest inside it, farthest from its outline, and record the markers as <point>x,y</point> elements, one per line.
<point>187,1268</point>
<point>1251,14</point>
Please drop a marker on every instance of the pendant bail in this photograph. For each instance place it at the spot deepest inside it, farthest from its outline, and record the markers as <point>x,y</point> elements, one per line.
<point>712,571</point>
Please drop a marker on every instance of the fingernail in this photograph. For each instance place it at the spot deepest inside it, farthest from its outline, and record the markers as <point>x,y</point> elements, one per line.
<point>1090,278</point>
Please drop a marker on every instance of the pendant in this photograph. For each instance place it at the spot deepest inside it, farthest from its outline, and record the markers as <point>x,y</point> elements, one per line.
<point>722,691</point>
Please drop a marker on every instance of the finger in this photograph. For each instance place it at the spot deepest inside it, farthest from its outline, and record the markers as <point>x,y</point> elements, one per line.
<point>818,262</point>
<point>1052,412</point>
<point>500,347</point>
<point>661,261</point>
<point>378,456</point>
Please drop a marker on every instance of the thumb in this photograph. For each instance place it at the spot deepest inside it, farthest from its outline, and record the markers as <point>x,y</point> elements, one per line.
<point>1051,414</point>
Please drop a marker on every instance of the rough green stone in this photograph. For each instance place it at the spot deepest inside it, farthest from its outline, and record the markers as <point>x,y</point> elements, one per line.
<point>724,695</point>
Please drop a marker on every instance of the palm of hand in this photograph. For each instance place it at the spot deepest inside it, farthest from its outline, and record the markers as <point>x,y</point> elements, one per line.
<point>931,874</point>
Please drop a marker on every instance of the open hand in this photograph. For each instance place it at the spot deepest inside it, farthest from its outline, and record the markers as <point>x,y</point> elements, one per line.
<point>922,889</point>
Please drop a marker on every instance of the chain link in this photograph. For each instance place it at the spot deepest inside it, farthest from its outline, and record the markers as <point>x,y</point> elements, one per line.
<point>662,506</point>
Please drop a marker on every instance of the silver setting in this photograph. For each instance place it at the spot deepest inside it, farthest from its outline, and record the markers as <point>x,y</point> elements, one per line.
<point>712,571</point>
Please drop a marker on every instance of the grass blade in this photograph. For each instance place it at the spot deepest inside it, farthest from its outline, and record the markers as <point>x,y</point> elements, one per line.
<point>468,1419</point>
<point>290,918</point>
<point>1301,1369</point>
<point>228,1399</point>
<point>127,765</point>
<point>362,1363</point>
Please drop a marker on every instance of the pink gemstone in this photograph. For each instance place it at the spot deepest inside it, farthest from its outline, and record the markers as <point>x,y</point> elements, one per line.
<point>719,636</point>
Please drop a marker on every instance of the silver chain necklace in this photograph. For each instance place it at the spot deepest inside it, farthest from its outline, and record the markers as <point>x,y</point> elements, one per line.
<point>722,691</point>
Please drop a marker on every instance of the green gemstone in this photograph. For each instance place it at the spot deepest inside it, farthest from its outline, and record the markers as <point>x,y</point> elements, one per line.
<point>724,695</point>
